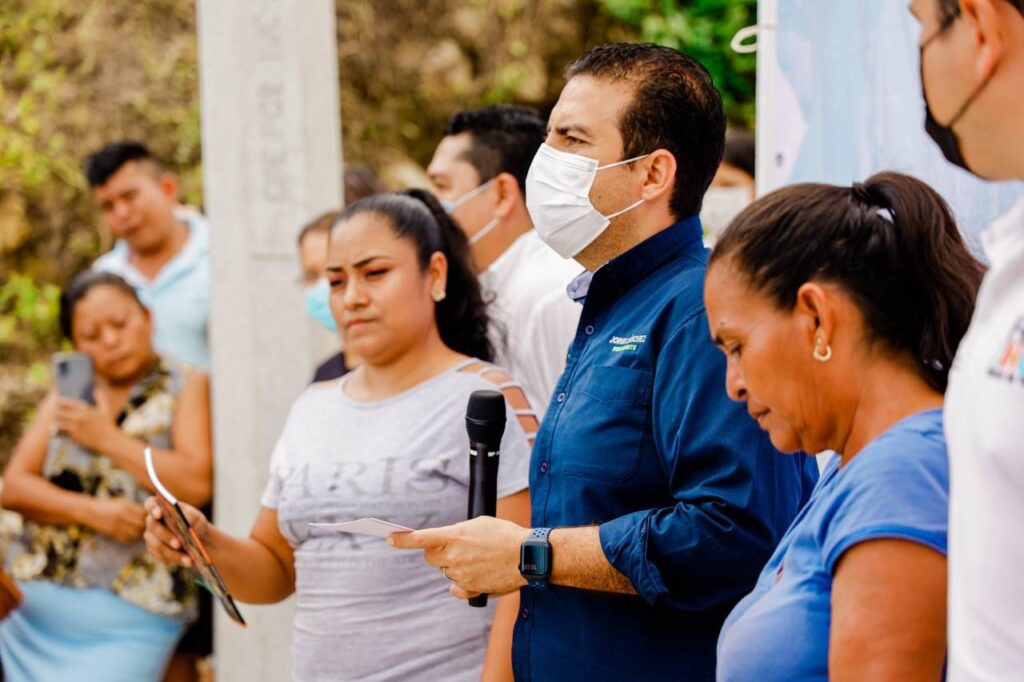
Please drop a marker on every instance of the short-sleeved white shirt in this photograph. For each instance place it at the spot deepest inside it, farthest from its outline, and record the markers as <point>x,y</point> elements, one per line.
<point>366,611</point>
<point>529,283</point>
<point>984,417</point>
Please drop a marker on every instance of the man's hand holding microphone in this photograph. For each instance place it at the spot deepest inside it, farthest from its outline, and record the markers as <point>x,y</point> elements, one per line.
<point>479,556</point>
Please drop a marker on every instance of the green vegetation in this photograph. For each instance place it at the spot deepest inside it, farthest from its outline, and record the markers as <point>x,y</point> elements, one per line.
<point>702,29</point>
<point>74,75</point>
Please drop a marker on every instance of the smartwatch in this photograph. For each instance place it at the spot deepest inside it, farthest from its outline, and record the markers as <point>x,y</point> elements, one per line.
<point>535,557</point>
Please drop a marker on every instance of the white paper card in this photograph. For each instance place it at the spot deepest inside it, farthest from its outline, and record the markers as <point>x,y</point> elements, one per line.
<point>368,526</point>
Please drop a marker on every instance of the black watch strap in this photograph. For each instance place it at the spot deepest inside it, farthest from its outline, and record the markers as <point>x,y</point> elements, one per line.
<point>535,557</point>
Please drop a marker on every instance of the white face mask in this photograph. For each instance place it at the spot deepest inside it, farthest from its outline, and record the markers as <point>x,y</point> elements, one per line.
<point>450,206</point>
<point>483,231</point>
<point>558,199</point>
<point>721,205</point>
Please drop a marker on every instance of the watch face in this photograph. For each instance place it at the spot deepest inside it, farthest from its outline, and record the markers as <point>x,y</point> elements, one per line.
<point>535,560</point>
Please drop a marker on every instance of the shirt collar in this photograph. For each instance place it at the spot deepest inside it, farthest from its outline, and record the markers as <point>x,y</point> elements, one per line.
<point>120,254</point>
<point>580,286</point>
<point>195,248</point>
<point>1005,237</point>
<point>624,271</point>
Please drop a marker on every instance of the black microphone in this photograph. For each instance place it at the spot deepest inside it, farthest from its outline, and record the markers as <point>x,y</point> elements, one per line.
<point>485,423</point>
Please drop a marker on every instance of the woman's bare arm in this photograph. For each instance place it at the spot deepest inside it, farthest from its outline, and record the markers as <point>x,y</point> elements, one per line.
<point>888,613</point>
<point>259,569</point>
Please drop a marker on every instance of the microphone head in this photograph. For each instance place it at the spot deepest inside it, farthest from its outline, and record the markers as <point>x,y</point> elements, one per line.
<point>485,417</point>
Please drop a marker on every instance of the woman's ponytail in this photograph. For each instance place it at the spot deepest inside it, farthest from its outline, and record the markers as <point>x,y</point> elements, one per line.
<point>936,267</point>
<point>462,318</point>
<point>891,243</point>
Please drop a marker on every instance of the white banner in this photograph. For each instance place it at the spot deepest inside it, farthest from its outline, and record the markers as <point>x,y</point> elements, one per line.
<point>839,98</point>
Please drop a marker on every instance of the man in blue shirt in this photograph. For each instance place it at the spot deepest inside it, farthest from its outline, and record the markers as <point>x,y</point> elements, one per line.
<point>162,252</point>
<point>656,500</point>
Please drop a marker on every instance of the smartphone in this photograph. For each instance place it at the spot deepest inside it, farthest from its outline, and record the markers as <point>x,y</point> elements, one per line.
<point>74,376</point>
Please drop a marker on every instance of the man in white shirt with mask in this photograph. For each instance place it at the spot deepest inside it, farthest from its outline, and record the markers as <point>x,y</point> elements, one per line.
<point>479,174</point>
<point>732,188</point>
<point>972,72</point>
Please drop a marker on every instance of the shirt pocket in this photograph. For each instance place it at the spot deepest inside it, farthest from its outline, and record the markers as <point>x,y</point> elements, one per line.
<point>609,420</point>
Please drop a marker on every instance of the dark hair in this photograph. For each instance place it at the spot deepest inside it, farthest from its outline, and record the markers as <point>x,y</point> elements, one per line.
<point>740,150</point>
<point>103,164</point>
<point>505,139</point>
<point>360,182</point>
<point>891,243</point>
<point>416,215</point>
<point>319,225</point>
<point>675,107</point>
<point>949,10</point>
<point>80,285</point>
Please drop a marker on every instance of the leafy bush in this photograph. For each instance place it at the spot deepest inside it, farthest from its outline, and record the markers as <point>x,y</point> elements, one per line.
<point>702,29</point>
<point>30,309</point>
<point>29,331</point>
<point>74,75</point>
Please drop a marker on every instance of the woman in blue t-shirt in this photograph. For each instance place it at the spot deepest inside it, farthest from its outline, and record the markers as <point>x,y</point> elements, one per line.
<point>840,310</point>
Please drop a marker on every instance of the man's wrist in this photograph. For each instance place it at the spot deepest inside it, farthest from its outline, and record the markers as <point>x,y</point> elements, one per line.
<point>535,557</point>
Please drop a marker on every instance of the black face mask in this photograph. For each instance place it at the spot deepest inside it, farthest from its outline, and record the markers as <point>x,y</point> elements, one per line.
<point>943,135</point>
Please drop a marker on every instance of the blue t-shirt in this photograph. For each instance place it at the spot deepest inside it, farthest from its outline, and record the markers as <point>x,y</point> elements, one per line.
<point>897,487</point>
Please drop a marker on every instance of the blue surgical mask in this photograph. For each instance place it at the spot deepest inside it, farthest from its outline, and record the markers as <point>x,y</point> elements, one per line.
<point>318,304</point>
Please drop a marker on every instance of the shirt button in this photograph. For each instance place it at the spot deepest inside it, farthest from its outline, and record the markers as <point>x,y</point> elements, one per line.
<point>525,614</point>
<point>543,467</point>
<point>561,397</point>
<point>589,329</point>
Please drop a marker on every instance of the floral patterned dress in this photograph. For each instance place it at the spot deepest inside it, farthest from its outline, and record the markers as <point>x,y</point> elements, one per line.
<point>76,556</point>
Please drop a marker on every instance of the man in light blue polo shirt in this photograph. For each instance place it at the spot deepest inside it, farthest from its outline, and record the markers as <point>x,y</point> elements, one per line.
<point>163,255</point>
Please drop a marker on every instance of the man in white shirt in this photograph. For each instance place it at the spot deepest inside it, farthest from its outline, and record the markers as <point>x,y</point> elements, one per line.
<point>972,68</point>
<point>161,250</point>
<point>479,173</point>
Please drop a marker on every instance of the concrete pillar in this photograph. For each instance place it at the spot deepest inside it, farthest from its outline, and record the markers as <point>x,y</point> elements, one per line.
<point>271,161</point>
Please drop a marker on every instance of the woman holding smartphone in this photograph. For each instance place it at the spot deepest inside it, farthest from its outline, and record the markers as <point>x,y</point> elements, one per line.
<point>387,440</point>
<point>96,604</point>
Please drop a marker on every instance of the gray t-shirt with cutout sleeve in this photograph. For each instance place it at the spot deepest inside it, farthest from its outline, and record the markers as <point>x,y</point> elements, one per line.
<point>366,611</point>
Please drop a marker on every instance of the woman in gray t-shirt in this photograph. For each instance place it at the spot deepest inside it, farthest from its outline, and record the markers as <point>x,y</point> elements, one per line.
<point>387,440</point>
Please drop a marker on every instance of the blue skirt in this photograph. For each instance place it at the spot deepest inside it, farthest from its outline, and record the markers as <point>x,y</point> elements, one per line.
<point>64,634</point>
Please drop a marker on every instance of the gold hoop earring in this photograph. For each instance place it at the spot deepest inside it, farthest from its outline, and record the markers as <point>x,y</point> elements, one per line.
<point>823,357</point>
<point>439,295</point>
